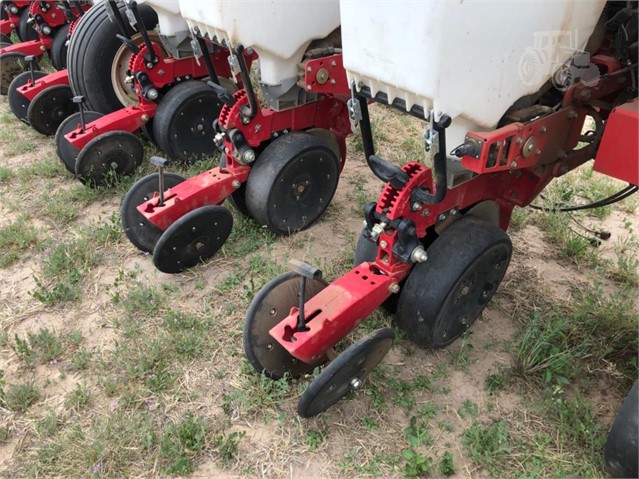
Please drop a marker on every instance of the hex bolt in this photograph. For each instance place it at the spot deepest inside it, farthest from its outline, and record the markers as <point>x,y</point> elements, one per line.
<point>416,206</point>
<point>418,255</point>
<point>442,217</point>
<point>383,244</point>
<point>393,288</point>
<point>356,383</point>
<point>248,156</point>
<point>236,184</point>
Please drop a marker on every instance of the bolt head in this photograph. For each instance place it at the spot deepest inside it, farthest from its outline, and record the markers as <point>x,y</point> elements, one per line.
<point>442,217</point>
<point>394,288</point>
<point>356,383</point>
<point>236,184</point>
<point>248,156</point>
<point>417,206</point>
<point>383,244</point>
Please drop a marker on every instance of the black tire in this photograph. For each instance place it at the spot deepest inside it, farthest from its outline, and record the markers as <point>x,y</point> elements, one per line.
<point>272,194</point>
<point>50,108</point>
<point>90,56</point>
<point>143,234</point>
<point>183,122</point>
<point>444,295</point>
<point>58,52</point>
<point>26,32</point>
<point>18,103</point>
<point>620,452</point>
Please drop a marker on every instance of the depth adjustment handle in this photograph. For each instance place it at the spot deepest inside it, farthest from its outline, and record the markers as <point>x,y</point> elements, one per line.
<point>79,100</point>
<point>305,271</point>
<point>161,164</point>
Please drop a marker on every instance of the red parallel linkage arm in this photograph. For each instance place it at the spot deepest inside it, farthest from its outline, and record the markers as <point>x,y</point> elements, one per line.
<point>128,119</point>
<point>30,91</point>
<point>33,47</point>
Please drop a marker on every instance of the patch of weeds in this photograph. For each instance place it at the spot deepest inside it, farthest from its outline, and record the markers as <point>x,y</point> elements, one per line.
<point>64,268</point>
<point>139,298</point>
<point>43,347</point>
<point>5,435</point>
<point>20,396</point>
<point>469,408</point>
<point>369,423</point>
<point>488,444</point>
<point>247,237</point>
<point>446,466</point>
<point>315,438</point>
<point>49,167</point>
<point>48,425</point>
<point>180,443</point>
<point>226,446</point>
<point>66,205</point>
<point>190,344</point>
<point>461,360</point>
<point>78,398</point>
<point>80,359</point>
<point>6,175</point>
<point>519,219</point>
<point>417,433</point>
<point>416,465</point>
<point>107,232</point>
<point>360,194</point>
<point>16,238</point>
<point>495,382</point>
<point>257,392</point>
<point>354,464</point>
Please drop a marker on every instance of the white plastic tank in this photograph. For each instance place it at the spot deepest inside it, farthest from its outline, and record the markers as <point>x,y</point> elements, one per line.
<point>471,59</point>
<point>279,30</point>
<point>170,21</point>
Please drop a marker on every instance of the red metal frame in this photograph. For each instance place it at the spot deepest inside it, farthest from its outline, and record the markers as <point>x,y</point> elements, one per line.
<point>164,72</point>
<point>513,180</point>
<point>329,112</point>
<point>52,17</point>
<point>29,91</point>
<point>11,23</point>
<point>618,154</point>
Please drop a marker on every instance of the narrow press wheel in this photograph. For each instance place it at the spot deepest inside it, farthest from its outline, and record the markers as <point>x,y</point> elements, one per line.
<point>141,232</point>
<point>443,296</point>
<point>346,373</point>
<point>58,51</point>
<point>18,103</point>
<point>65,150</point>
<point>109,157</point>
<point>183,121</point>
<point>11,65</point>
<point>50,108</point>
<point>271,305</point>
<point>292,182</point>
<point>25,31</point>
<point>193,238</point>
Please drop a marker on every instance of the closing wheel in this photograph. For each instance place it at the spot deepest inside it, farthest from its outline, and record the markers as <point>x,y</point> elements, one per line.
<point>141,232</point>
<point>65,150</point>
<point>18,103</point>
<point>110,156</point>
<point>271,305</point>
<point>183,121</point>
<point>193,238</point>
<point>50,108</point>
<point>346,373</point>
<point>25,31</point>
<point>58,51</point>
<point>292,182</point>
<point>443,296</point>
<point>11,65</point>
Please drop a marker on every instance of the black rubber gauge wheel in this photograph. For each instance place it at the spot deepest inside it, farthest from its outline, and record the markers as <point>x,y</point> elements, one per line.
<point>109,157</point>
<point>345,373</point>
<point>183,121</point>
<point>59,47</point>
<point>18,103</point>
<point>65,150</point>
<point>292,182</point>
<point>193,238</point>
<point>271,305</point>
<point>444,295</point>
<point>50,108</point>
<point>142,233</point>
<point>25,31</point>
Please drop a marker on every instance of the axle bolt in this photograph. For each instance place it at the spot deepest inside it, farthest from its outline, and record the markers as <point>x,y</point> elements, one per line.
<point>145,118</point>
<point>416,206</point>
<point>236,184</point>
<point>393,288</point>
<point>383,244</point>
<point>419,255</point>
<point>248,156</point>
<point>356,383</point>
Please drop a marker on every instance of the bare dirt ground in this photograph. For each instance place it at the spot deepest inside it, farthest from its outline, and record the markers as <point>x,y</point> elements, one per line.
<point>443,392</point>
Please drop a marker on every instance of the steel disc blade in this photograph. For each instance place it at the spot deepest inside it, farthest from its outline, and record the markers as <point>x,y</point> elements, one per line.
<point>109,157</point>
<point>345,373</point>
<point>65,150</point>
<point>50,108</point>
<point>271,305</point>
<point>141,232</point>
<point>193,238</point>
